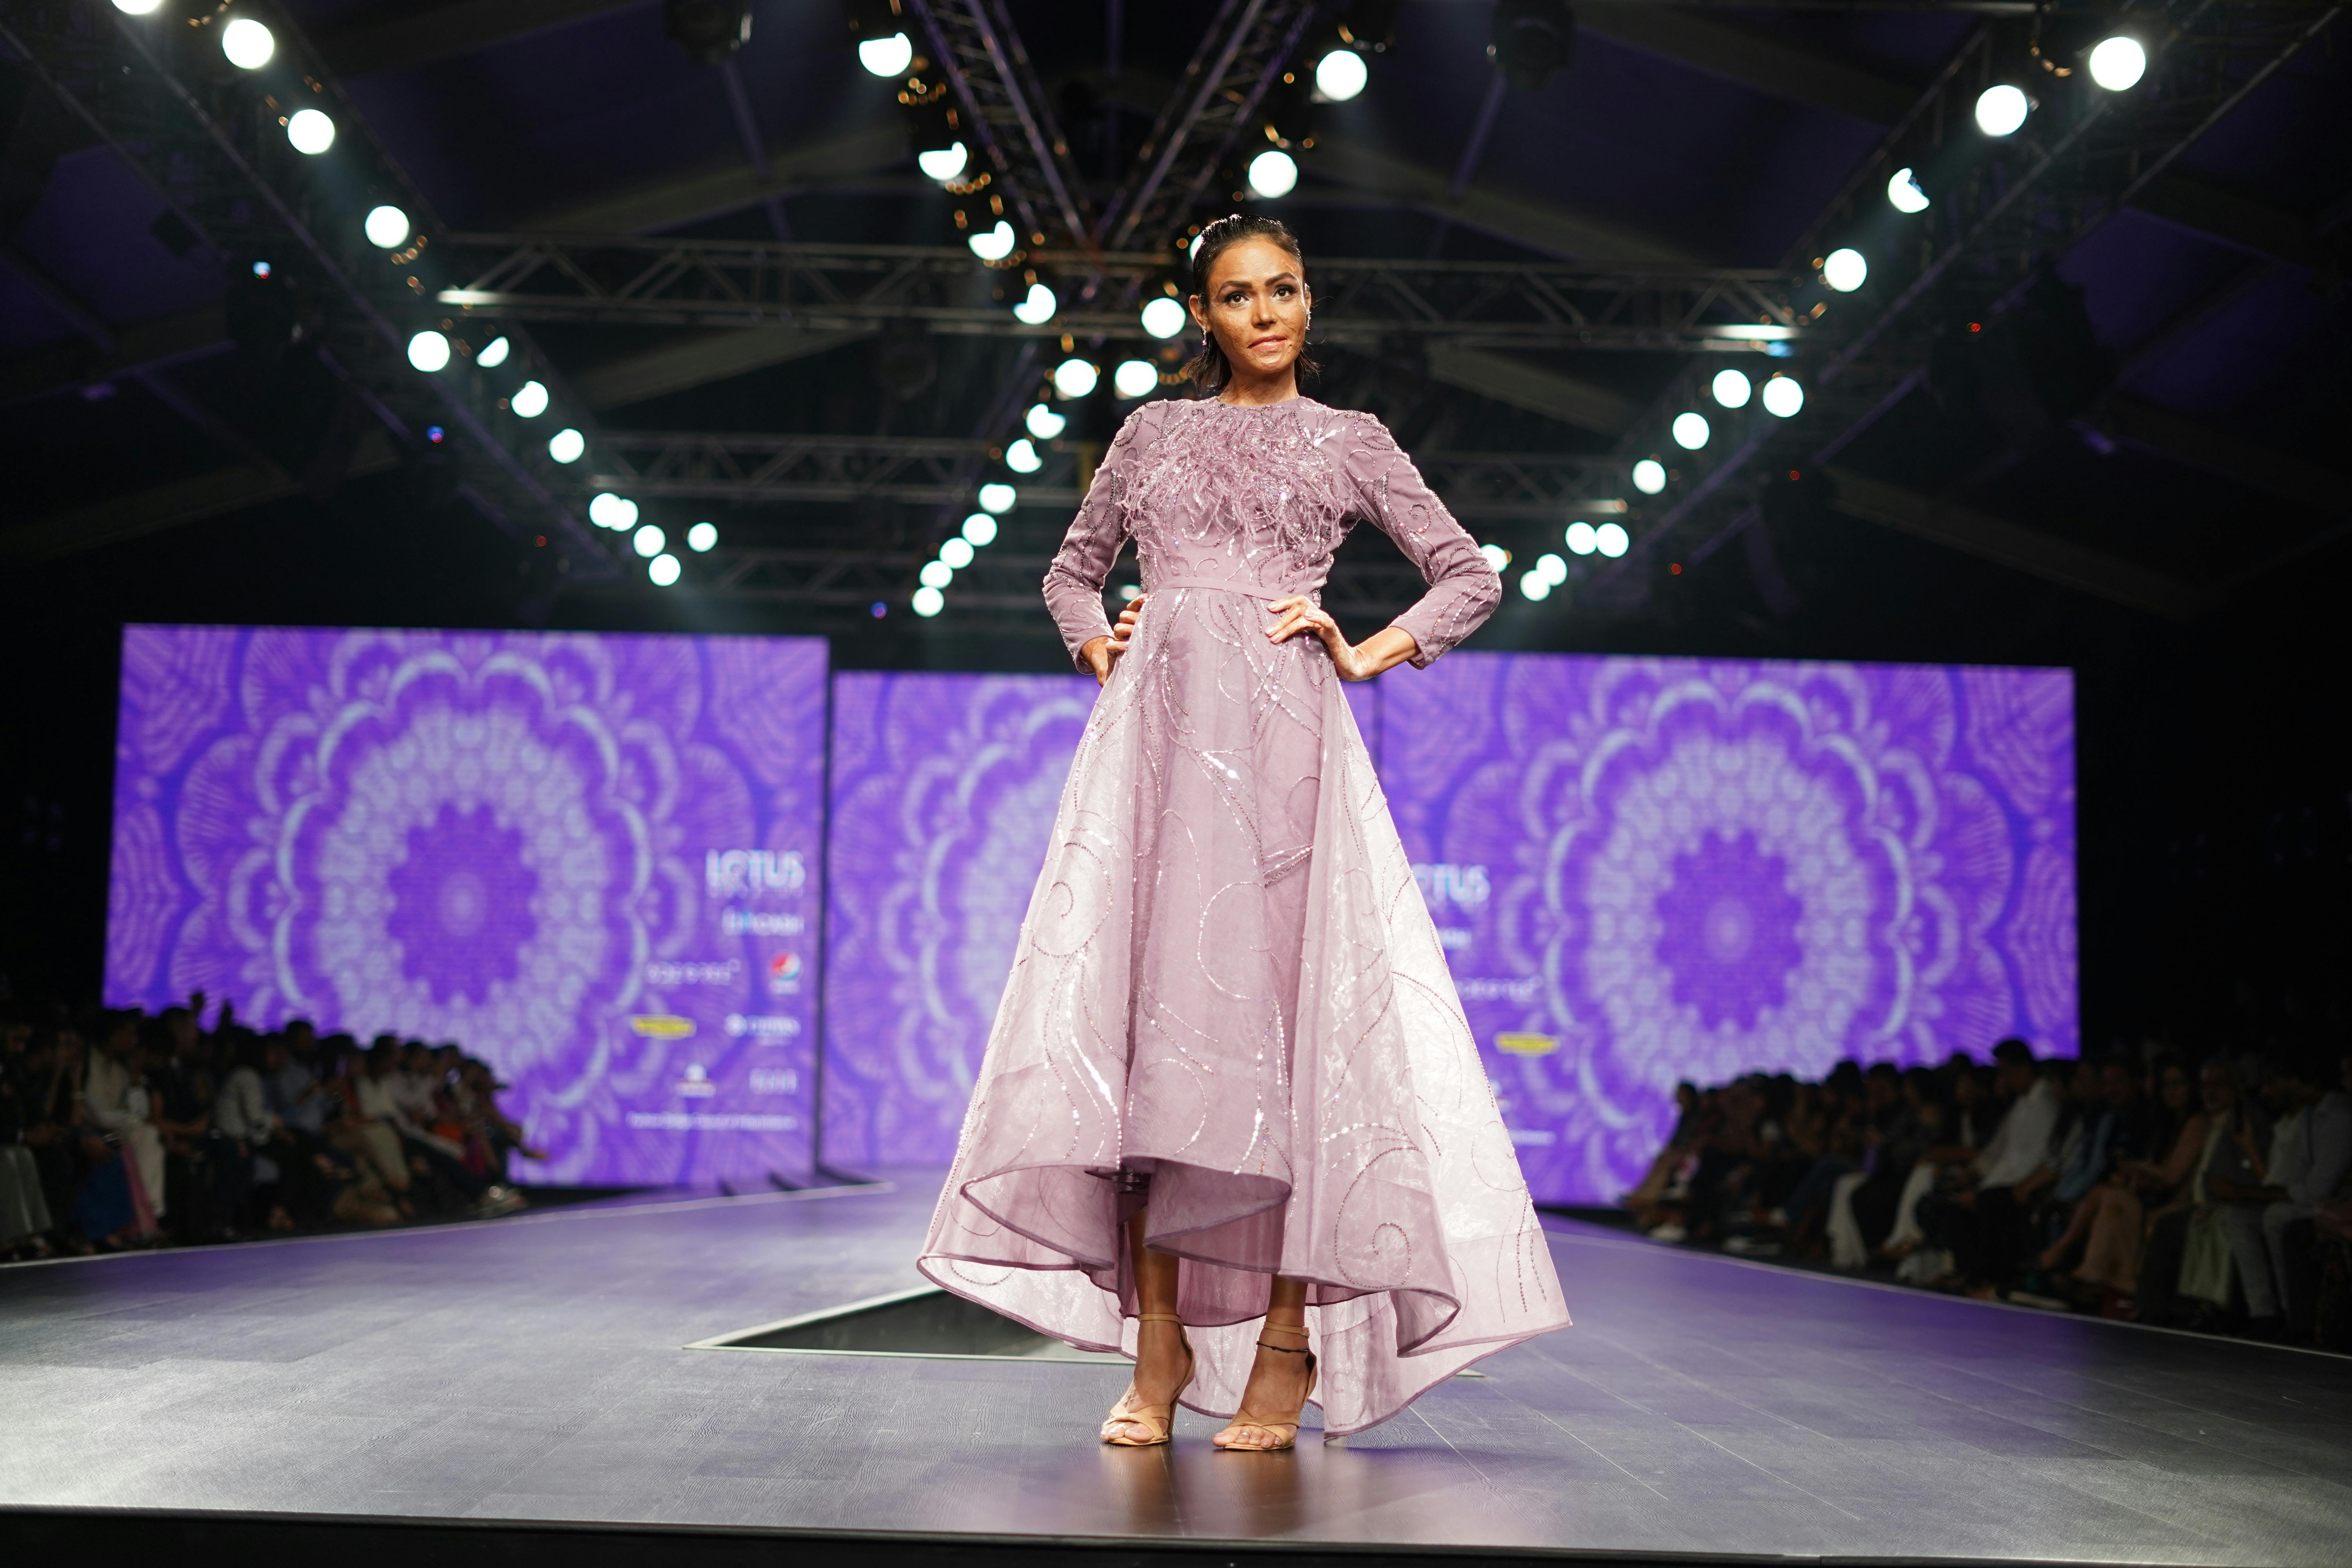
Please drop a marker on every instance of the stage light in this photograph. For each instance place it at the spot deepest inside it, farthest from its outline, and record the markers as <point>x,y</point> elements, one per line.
<point>1497,556</point>
<point>994,246</point>
<point>663,570</point>
<point>248,43</point>
<point>434,434</point>
<point>1690,431</point>
<point>1611,540</point>
<point>1551,569</point>
<point>1043,422</point>
<point>261,270</point>
<point>529,399</point>
<point>1272,173</point>
<point>2001,108</point>
<point>1903,191</point>
<point>309,131</point>
<point>1531,39</point>
<point>1845,269</point>
<point>998,498</point>
<point>1037,309</point>
<point>1163,318</point>
<point>980,529</point>
<point>1192,251</point>
<point>137,8</point>
<point>701,537</point>
<point>493,354</point>
<point>606,509</point>
<point>887,56</point>
<point>1649,475</point>
<point>956,551</point>
<point>567,445</point>
<point>1135,378</point>
<point>2118,63</point>
<point>1784,396</point>
<point>1340,75</point>
<point>1075,378</point>
<point>387,228</point>
<point>649,540</point>
<point>1022,458</point>
<point>1731,388</point>
<point>928,601</point>
<point>1534,585</point>
<point>428,351</point>
<point>1580,538</point>
<point>944,163</point>
<point>936,574</point>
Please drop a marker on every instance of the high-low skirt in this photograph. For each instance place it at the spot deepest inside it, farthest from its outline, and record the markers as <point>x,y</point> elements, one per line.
<point>1228,1005</point>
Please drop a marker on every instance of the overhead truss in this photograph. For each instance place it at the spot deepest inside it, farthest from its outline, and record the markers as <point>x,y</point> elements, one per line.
<point>974,43</point>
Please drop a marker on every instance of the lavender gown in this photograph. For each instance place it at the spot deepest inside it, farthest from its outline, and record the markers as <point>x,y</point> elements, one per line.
<point>1228,995</point>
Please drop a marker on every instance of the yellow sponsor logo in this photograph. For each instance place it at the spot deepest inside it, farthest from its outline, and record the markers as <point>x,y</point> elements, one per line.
<point>661,1025</point>
<point>1521,1045</point>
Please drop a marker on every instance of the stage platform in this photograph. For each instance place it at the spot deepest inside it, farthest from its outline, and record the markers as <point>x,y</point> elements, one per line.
<point>521,1391</point>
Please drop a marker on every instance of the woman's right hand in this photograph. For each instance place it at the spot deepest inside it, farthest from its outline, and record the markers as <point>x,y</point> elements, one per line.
<point>1103,653</point>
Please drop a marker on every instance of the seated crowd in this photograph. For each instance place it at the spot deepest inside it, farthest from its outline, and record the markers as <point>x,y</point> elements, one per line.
<point>2217,1196</point>
<point>119,1129</point>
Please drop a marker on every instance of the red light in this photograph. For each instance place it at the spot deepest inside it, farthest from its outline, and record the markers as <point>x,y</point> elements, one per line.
<point>1976,326</point>
<point>1676,568</point>
<point>540,542</point>
<point>1794,477</point>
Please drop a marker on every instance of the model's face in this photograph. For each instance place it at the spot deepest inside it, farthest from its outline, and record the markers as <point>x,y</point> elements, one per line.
<point>1256,306</point>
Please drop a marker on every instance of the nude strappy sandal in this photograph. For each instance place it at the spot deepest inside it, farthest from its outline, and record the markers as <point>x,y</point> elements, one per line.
<point>1286,1429</point>
<point>1162,1416</point>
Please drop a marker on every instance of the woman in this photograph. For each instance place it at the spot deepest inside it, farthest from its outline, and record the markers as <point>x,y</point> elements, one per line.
<point>2112,1223</point>
<point>1229,1078</point>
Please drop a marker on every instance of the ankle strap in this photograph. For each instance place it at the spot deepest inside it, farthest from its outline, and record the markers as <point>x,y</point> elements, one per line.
<point>1158,1317</point>
<point>1299,1330</point>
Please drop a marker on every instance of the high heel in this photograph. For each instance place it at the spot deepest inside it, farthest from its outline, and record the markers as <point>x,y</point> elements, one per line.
<point>1162,1416</point>
<point>1285,1427</point>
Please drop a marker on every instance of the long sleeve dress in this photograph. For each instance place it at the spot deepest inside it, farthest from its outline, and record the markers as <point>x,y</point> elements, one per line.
<point>1228,1002</point>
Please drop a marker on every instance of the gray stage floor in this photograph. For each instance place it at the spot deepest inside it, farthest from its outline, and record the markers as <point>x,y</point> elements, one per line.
<point>532,1369</point>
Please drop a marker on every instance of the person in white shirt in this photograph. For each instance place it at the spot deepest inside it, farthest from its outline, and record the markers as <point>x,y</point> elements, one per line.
<point>2310,1156</point>
<point>117,1102</point>
<point>1984,1228</point>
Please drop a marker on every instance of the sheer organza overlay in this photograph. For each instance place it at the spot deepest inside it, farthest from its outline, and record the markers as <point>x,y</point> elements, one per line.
<point>1228,1001</point>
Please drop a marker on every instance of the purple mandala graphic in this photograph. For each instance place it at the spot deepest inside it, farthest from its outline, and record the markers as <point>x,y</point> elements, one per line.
<point>461,899</point>
<point>1729,939</point>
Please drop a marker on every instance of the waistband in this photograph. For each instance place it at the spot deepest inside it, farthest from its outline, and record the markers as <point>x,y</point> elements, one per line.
<point>1223,584</point>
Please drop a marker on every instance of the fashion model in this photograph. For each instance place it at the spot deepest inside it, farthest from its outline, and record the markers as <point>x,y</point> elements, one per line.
<point>1230,1121</point>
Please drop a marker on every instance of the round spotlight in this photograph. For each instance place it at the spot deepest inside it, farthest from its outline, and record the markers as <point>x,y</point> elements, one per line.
<point>1845,269</point>
<point>567,445</point>
<point>1904,192</point>
<point>936,574</point>
<point>428,351</point>
<point>1135,378</point>
<point>1690,431</point>
<point>1163,318</point>
<point>387,228</point>
<point>944,163</point>
<point>928,601</point>
<point>956,551</point>
<point>1340,75</point>
<point>998,498</point>
<point>980,529</point>
<point>493,354</point>
<point>2118,63</point>
<point>1273,174</point>
<point>1580,538</point>
<point>1783,396</point>
<point>2001,108</point>
<point>701,537</point>
<point>1611,540</point>
<point>887,56</point>
<point>309,131</point>
<point>1022,458</point>
<point>1038,308</point>
<point>1535,584</point>
<point>606,509</point>
<point>529,399</point>
<point>248,43</point>
<point>663,570</point>
<point>1497,556</point>
<point>1551,569</point>
<point>649,540</point>
<point>1075,378</point>
<point>994,246</point>
<point>137,8</point>
<point>1649,475</point>
<point>1043,422</point>
<point>1731,388</point>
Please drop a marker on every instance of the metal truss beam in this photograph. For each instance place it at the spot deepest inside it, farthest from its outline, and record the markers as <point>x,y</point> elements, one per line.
<point>974,43</point>
<point>833,289</point>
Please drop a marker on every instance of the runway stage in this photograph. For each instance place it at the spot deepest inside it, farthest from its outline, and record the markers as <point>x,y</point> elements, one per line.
<point>521,1388</point>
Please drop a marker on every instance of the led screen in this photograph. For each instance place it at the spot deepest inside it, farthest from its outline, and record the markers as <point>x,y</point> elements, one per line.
<point>589,860</point>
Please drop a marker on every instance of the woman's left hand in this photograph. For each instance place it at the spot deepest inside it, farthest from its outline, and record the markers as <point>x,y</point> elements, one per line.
<point>1300,613</point>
